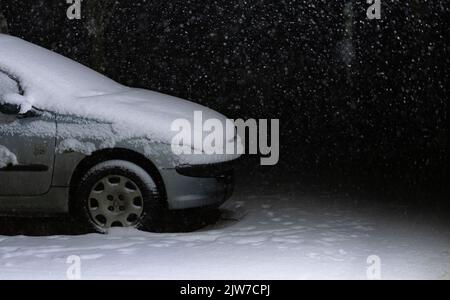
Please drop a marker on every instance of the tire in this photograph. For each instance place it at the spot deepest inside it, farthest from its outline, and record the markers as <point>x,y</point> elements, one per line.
<point>118,193</point>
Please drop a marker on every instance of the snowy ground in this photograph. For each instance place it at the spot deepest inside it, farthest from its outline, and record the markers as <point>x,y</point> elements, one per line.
<point>294,236</point>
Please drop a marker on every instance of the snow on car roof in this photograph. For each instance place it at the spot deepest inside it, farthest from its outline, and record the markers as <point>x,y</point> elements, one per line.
<point>42,71</point>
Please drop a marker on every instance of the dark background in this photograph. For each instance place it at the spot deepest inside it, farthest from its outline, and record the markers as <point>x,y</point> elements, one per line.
<point>362,103</point>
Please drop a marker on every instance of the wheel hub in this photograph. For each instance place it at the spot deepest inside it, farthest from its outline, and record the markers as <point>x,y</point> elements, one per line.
<point>115,201</point>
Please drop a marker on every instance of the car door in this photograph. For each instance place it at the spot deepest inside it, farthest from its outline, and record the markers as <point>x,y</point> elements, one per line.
<point>27,148</point>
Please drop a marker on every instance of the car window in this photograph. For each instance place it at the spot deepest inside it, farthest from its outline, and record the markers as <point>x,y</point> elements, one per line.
<point>7,85</point>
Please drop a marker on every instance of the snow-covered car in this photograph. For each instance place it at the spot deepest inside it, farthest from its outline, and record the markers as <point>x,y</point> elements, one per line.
<point>73,140</point>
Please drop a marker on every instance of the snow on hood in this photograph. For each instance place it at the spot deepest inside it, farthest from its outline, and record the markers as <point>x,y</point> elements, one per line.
<point>137,113</point>
<point>55,83</point>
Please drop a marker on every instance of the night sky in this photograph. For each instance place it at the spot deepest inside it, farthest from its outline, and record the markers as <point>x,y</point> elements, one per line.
<point>361,102</point>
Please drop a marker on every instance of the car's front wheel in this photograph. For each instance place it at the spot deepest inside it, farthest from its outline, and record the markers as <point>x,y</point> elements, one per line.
<point>118,193</point>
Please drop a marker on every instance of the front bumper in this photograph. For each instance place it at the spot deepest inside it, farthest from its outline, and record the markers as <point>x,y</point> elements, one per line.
<point>192,186</point>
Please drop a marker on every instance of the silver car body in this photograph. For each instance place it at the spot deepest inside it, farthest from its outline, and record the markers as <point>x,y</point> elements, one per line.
<point>54,149</point>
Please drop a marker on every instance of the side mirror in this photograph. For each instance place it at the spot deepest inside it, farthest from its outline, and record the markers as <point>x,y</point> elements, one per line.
<point>9,109</point>
<point>14,104</point>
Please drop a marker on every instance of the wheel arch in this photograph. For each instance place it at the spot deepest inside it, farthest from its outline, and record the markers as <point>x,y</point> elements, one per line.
<point>112,154</point>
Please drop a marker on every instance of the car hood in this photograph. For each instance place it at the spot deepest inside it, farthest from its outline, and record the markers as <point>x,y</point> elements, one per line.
<point>141,113</point>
